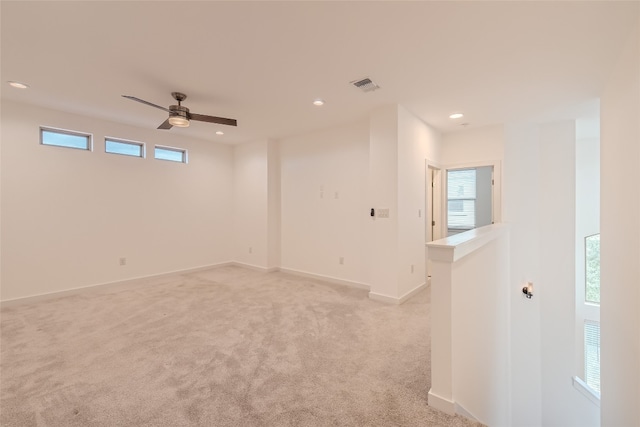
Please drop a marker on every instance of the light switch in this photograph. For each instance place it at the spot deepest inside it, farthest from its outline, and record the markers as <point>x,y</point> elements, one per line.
<point>383,213</point>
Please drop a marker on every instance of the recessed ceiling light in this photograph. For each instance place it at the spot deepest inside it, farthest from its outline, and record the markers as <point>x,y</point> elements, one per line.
<point>219,132</point>
<point>18,85</point>
<point>318,102</point>
<point>456,116</point>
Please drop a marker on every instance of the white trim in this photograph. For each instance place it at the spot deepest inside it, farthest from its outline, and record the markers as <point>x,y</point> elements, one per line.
<point>460,410</point>
<point>101,286</point>
<point>453,248</point>
<point>412,292</point>
<point>440,403</point>
<point>326,278</point>
<point>383,298</point>
<point>393,300</point>
<point>433,164</point>
<point>586,391</point>
<point>255,267</point>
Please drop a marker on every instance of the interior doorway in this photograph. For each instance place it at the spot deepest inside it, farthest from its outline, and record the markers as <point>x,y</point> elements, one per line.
<point>433,217</point>
<point>434,205</point>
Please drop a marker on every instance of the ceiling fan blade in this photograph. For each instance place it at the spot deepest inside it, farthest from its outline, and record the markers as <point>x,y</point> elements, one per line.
<point>133,98</point>
<point>165,125</point>
<point>212,119</point>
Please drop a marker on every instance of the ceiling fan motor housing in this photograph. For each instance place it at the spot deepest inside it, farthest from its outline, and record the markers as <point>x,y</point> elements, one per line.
<point>179,111</point>
<point>179,116</point>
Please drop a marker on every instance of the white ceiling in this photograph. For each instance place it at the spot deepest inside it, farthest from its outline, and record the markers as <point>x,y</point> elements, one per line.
<point>263,63</point>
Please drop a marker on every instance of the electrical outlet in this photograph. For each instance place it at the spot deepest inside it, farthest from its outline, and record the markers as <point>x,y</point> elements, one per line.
<point>341,260</point>
<point>123,261</point>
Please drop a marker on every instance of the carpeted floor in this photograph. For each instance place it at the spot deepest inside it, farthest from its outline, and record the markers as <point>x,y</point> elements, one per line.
<point>221,347</point>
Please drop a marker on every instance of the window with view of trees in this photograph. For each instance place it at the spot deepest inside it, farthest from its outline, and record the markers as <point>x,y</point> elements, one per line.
<point>592,249</point>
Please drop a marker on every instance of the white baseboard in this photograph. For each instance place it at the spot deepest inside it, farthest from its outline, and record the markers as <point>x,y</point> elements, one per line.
<point>441,404</point>
<point>128,282</point>
<point>326,278</point>
<point>101,286</point>
<point>412,292</point>
<point>255,267</point>
<point>460,410</point>
<point>393,300</point>
<point>383,298</point>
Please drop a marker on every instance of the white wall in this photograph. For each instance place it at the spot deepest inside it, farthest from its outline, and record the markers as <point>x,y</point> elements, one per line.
<point>620,240</point>
<point>521,191</point>
<point>587,224</point>
<point>251,200</point>
<point>539,195</point>
<point>399,147</point>
<point>473,146</point>
<point>324,205</point>
<point>383,193</point>
<point>480,332</point>
<point>69,215</point>
<point>417,141</point>
<point>256,207</point>
<point>273,209</point>
<point>562,404</point>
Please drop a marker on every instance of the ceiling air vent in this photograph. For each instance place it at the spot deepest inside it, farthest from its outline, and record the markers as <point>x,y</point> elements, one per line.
<point>365,85</point>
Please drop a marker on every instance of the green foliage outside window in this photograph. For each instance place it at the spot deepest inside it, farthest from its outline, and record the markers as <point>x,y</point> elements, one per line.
<point>592,247</point>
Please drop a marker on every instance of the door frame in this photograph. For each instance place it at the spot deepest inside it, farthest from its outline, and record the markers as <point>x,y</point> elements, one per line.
<point>433,202</point>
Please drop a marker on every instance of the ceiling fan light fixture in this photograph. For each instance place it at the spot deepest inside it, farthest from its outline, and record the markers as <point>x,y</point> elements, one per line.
<point>179,121</point>
<point>18,85</point>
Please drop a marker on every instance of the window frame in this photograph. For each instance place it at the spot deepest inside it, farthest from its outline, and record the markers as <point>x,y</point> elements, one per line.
<point>461,200</point>
<point>184,151</point>
<point>587,312</point>
<point>142,145</point>
<point>88,136</point>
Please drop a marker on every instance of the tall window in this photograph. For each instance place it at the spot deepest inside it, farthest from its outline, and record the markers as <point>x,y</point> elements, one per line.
<point>592,354</point>
<point>592,323</point>
<point>461,199</point>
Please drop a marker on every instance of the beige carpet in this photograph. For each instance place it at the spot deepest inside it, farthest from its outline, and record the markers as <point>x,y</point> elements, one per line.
<point>221,347</point>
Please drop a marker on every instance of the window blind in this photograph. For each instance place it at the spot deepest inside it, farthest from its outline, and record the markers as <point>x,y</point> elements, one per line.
<point>461,199</point>
<point>592,354</point>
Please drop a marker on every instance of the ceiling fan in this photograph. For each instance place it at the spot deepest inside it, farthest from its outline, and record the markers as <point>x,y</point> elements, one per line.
<point>180,116</point>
